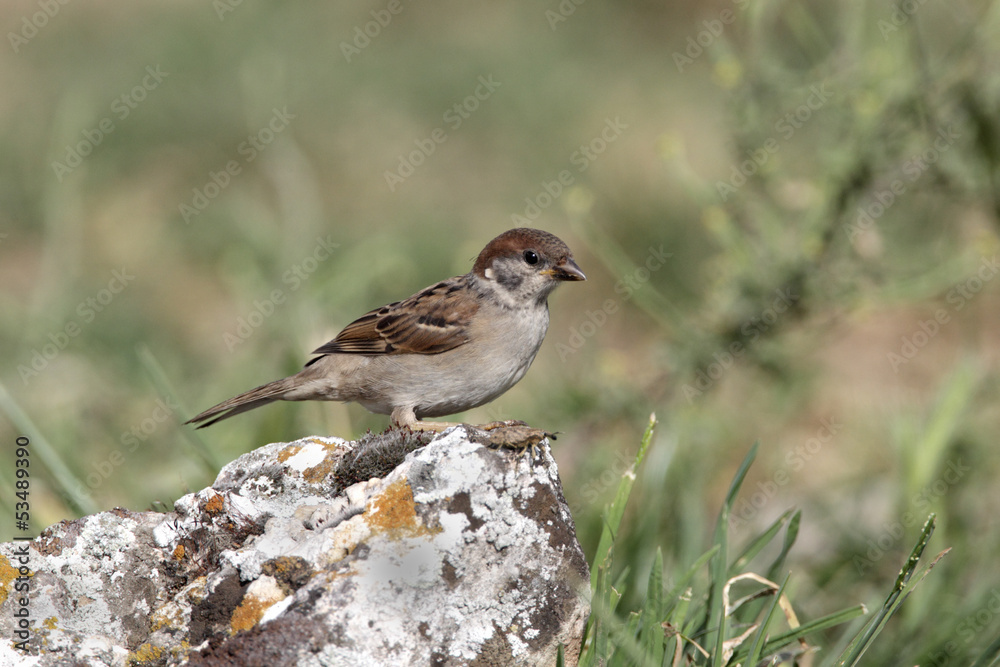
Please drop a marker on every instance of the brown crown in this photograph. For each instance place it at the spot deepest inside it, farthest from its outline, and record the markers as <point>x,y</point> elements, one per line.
<point>516,241</point>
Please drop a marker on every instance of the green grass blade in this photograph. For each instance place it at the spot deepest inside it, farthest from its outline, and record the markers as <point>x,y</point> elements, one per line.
<point>605,597</point>
<point>675,593</point>
<point>619,588</point>
<point>615,512</point>
<point>758,544</point>
<point>716,616</point>
<point>678,619</point>
<point>791,534</point>
<point>737,483</point>
<point>652,614</point>
<point>614,640</point>
<point>852,654</point>
<point>758,641</point>
<point>828,621</point>
<point>601,615</point>
<point>715,621</point>
<point>679,614</point>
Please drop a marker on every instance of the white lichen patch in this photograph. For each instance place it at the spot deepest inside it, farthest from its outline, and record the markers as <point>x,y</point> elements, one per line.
<point>310,456</point>
<point>517,646</point>
<point>105,538</point>
<point>165,534</point>
<point>276,610</point>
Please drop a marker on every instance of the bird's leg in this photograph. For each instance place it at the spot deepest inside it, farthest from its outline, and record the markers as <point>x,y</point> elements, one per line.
<point>404,418</point>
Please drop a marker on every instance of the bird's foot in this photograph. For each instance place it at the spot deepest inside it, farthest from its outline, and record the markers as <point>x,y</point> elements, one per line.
<point>506,434</point>
<point>513,434</point>
<point>515,424</point>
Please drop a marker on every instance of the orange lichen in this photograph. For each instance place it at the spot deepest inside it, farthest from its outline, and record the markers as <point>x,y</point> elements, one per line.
<point>8,573</point>
<point>393,512</point>
<point>319,472</point>
<point>215,504</point>
<point>249,612</point>
<point>179,552</point>
<point>288,452</point>
<point>50,623</point>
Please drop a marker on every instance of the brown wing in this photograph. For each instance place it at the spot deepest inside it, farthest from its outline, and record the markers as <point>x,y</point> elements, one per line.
<point>432,321</point>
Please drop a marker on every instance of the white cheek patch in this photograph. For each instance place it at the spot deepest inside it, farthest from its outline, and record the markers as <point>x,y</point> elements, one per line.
<point>489,273</point>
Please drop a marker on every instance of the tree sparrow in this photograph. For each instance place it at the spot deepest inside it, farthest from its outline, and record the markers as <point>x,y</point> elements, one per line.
<point>448,348</point>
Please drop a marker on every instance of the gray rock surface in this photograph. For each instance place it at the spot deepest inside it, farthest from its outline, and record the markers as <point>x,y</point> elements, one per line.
<point>297,555</point>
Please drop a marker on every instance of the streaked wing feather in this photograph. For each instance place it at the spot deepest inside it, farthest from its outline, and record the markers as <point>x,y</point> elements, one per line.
<point>429,322</point>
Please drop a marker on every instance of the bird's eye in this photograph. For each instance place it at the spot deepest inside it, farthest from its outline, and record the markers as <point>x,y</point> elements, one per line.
<point>530,257</point>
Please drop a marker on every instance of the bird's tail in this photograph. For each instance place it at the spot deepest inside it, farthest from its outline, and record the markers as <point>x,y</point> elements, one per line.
<point>248,400</point>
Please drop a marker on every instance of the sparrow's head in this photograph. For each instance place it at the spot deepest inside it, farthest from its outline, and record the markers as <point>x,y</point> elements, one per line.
<point>526,264</point>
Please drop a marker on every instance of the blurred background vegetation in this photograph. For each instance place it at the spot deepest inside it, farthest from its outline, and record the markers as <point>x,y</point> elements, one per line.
<point>787,213</point>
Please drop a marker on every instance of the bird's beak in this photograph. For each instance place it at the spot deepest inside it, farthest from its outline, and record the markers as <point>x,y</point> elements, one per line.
<point>565,270</point>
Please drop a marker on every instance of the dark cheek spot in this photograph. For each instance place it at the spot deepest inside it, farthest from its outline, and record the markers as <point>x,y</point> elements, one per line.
<point>510,280</point>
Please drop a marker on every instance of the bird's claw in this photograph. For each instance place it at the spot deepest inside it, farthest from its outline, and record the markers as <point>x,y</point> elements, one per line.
<point>512,434</point>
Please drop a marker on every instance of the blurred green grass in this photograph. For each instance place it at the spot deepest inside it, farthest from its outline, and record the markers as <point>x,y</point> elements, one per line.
<point>638,340</point>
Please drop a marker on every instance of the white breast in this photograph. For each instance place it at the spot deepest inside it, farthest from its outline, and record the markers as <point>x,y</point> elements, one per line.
<point>467,376</point>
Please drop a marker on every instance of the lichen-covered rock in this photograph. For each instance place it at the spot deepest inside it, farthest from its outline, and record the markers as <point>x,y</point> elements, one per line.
<point>318,552</point>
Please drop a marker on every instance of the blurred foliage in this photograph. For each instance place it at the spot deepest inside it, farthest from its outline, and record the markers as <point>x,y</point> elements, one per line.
<point>787,212</point>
